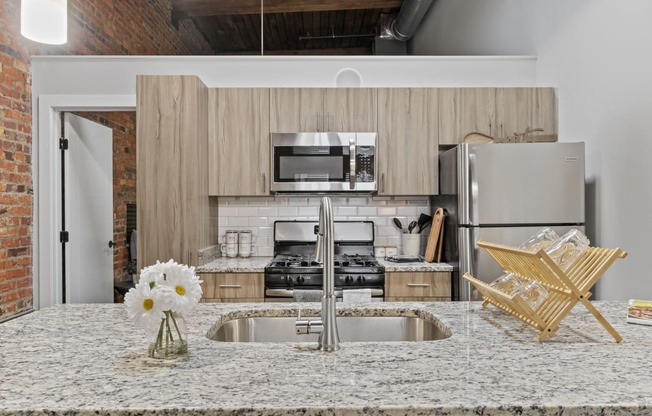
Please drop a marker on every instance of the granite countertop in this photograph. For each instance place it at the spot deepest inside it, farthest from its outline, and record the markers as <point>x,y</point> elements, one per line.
<point>91,359</point>
<point>235,265</point>
<point>257,265</point>
<point>415,267</point>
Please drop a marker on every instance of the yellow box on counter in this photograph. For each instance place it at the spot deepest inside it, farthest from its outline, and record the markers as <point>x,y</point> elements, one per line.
<point>639,312</point>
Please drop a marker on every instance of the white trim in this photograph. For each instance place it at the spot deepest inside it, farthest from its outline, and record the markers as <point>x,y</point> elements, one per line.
<point>46,167</point>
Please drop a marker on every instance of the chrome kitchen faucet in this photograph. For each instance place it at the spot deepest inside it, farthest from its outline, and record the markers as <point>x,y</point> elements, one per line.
<point>329,338</point>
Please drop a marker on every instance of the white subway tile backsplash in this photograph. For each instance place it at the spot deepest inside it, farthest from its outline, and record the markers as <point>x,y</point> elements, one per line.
<point>298,202</point>
<point>358,202</point>
<point>387,211</point>
<point>367,211</point>
<point>237,221</point>
<point>266,231</point>
<point>406,211</point>
<point>386,231</point>
<point>259,215</point>
<point>309,211</point>
<point>247,211</point>
<point>267,211</point>
<point>257,221</point>
<point>228,212</point>
<point>346,211</point>
<point>379,221</point>
<point>288,211</point>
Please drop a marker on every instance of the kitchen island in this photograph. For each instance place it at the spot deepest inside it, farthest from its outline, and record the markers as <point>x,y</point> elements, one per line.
<point>91,359</point>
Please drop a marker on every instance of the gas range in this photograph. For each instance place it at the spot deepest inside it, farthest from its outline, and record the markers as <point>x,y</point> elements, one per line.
<point>293,267</point>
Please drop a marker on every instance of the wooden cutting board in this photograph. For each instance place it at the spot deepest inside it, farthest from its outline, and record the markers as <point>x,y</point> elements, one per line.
<point>433,237</point>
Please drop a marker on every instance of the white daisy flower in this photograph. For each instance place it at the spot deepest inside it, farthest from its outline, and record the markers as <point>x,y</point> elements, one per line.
<point>151,274</point>
<point>145,306</point>
<point>182,288</point>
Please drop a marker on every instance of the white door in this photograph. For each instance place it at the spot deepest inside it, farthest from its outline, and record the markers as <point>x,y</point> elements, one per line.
<point>89,211</point>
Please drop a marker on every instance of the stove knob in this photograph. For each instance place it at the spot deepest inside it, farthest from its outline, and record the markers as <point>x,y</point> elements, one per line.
<point>361,279</point>
<point>300,280</point>
<point>288,279</point>
<point>348,279</point>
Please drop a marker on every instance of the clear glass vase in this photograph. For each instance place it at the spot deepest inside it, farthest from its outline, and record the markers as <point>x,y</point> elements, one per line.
<point>171,339</point>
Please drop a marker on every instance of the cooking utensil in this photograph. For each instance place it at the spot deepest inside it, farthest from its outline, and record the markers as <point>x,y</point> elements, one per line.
<point>423,221</point>
<point>412,226</point>
<point>398,223</point>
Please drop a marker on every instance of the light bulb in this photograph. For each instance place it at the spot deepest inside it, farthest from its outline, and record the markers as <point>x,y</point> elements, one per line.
<point>44,21</point>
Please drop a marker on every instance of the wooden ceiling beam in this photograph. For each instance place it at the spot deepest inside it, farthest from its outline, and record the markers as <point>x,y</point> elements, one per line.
<point>195,8</point>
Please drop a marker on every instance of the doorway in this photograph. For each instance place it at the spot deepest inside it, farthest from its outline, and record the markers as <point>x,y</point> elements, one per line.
<point>99,202</point>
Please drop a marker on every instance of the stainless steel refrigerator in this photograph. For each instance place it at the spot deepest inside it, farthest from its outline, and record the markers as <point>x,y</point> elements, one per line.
<point>504,193</point>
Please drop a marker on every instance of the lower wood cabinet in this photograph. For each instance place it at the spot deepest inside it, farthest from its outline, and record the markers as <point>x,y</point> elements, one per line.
<point>417,286</point>
<point>232,287</point>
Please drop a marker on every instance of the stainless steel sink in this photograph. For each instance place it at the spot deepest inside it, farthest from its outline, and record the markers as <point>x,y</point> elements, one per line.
<point>351,329</point>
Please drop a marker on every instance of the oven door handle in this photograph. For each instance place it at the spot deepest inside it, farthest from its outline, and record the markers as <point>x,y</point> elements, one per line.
<point>289,293</point>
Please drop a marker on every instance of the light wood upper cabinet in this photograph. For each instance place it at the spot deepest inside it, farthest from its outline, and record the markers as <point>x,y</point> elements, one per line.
<point>238,139</point>
<point>465,110</point>
<point>408,141</point>
<point>520,108</point>
<point>350,109</point>
<point>296,110</point>
<point>323,109</point>
<point>172,168</point>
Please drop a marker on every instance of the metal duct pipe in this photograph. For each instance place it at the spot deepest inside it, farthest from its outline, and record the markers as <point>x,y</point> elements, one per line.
<point>409,17</point>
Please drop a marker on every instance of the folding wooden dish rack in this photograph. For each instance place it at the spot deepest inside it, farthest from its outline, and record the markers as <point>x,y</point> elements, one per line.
<point>565,289</point>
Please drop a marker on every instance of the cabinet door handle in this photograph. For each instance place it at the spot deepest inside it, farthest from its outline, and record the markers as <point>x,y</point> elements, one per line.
<point>490,131</point>
<point>418,285</point>
<point>264,183</point>
<point>501,130</point>
<point>382,182</point>
<point>328,121</point>
<point>229,286</point>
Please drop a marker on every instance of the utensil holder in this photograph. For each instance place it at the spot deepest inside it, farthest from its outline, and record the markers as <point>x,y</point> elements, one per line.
<point>411,244</point>
<point>565,289</point>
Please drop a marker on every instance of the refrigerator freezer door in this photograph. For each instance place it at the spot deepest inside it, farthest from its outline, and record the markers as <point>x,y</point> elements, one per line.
<point>521,183</point>
<point>479,263</point>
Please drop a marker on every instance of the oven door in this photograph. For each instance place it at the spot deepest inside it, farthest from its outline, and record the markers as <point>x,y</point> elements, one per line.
<point>287,295</point>
<point>308,162</point>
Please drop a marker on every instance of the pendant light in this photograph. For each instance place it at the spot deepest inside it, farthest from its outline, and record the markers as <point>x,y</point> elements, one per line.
<point>44,21</point>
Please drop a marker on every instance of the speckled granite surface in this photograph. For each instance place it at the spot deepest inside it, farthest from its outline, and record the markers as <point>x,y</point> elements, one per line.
<point>90,358</point>
<point>415,267</point>
<point>235,265</point>
<point>257,265</point>
<point>208,254</point>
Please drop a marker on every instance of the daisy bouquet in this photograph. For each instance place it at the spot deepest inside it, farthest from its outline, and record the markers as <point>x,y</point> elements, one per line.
<point>164,293</point>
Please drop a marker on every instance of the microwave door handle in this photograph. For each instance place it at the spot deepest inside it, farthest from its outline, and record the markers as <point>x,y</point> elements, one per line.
<point>352,157</point>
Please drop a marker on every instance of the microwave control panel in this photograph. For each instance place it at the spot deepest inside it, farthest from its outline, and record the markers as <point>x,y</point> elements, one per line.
<point>365,164</point>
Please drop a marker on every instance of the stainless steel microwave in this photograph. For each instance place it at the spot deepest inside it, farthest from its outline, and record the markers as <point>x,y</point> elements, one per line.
<point>324,162</point>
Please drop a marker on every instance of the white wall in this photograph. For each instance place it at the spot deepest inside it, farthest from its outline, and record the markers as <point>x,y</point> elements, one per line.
<point>97,75</point>
<point>476,27</point>
<point>597,54</point>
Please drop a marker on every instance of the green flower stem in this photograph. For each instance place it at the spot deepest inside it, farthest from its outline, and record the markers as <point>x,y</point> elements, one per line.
<point>159,337</point>
<point>176,327</point>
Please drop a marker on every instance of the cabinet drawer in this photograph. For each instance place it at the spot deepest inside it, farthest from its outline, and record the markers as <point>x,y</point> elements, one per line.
<point>239,286</point>
<point>418,285</point>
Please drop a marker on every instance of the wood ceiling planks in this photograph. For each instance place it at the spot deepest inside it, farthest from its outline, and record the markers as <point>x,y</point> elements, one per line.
<point>294,32</point>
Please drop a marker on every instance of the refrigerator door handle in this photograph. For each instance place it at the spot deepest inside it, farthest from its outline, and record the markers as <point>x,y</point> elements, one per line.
<point>473,190</point>
<point>463,182</point>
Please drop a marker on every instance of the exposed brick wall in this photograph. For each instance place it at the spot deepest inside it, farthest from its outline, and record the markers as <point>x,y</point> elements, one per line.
<point>97,27</point>
<point>123,125</point>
